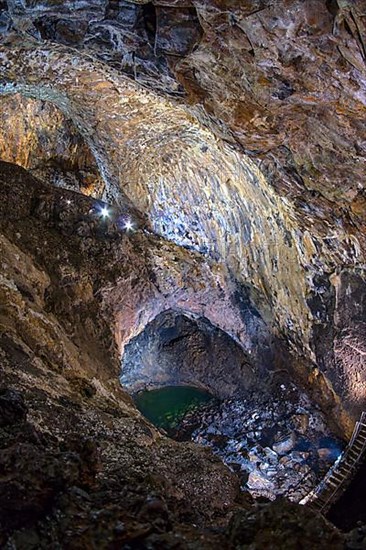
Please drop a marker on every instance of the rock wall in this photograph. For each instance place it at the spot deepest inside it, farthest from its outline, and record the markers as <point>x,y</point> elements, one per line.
<point>58,349</point>
<point>284,79</point>
<point>79,466</point>
<point>111,269</point>
<point>283,84</point>
<point>231,136</point>
<point>340,347</point>
<point>175,349</point>
<point>36,135</point>
<point>195,190</point>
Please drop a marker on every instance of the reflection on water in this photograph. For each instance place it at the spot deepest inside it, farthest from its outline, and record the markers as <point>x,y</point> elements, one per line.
<point>166,407</point>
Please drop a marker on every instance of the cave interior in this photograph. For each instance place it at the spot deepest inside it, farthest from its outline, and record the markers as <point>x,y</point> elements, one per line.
<point>183,274</point>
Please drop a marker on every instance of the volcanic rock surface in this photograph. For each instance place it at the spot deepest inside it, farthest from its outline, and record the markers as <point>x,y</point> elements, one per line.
<point>207,157</point>
<point>80,467</point>
<point>60,370</point>
<point>175,350</point>
<point>36,135</point>
<point>279,81</point>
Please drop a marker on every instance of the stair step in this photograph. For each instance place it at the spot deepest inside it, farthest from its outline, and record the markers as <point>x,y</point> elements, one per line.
<point>346,461</point>
<point>317,504</point>
<point>358,450</point>
<point>354,457</point>
<point>328,489</point>
<point>333,484</point>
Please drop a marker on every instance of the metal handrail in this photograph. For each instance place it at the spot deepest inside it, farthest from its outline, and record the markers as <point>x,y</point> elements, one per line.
<point>335,479</point>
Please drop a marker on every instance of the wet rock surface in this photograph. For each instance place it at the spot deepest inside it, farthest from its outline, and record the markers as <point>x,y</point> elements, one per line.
<point>276,440</point>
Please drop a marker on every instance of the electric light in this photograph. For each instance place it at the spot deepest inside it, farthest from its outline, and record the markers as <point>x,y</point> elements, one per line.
<point>104,212</point>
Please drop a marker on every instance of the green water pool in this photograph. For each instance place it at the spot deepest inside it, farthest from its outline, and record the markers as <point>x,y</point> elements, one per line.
<point>166,407</point>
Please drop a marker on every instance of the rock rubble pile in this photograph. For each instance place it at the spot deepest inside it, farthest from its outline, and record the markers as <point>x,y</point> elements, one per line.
<point>278,443</point>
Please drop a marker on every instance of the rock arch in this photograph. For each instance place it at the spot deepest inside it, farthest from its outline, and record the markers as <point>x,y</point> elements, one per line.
<point>174,176</point>
<point>156,156</point>
<point>177,348</point>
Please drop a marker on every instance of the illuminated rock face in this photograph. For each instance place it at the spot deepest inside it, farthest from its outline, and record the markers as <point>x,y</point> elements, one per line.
<point>284,79</point>
<point>36,135</point>
<point>258,72</point>
<point>229,138</point>
<point>135,272</point>
<point>64,419</point>
<point>194,189</point>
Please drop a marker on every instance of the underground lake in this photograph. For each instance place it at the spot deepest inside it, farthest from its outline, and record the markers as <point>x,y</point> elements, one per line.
<point>166,407</point>
<point>277,442</point>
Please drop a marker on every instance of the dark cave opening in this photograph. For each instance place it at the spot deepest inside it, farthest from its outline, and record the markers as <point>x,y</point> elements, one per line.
<point>150,20</point>
<point>350,511</point>
<point>263,427</point>
<point>180,349</point>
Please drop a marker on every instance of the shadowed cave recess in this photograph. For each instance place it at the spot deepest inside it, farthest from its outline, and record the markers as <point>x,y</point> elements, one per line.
<point>183,284</point>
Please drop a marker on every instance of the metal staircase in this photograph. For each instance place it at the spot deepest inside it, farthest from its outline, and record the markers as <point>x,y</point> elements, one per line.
<point>341,473</point>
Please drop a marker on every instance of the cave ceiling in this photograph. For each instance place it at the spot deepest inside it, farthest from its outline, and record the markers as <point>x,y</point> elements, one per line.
<point>233,129</point>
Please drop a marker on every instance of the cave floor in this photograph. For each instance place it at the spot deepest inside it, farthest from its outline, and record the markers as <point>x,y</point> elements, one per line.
<point>277,441</point>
